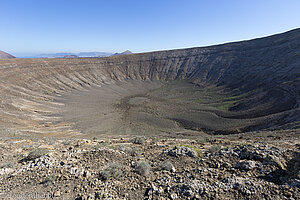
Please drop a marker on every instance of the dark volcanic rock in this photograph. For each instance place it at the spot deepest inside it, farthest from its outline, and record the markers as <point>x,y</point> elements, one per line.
<point>246,165</point>
<point>182,151</point>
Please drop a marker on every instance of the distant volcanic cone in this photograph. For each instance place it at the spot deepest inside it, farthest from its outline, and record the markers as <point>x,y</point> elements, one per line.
<point>4,55</point>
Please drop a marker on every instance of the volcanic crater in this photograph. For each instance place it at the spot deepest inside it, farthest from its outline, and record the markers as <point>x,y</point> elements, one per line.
<point>222,89</point>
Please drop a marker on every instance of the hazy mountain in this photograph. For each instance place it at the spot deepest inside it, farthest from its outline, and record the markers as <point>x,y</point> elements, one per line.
<point>70,56</point>
<point>123,53</point>
<point>81,54</point>
<point>94,54</point>
<point>66,54</point>
<point>54,55</point>
<point>4,55</point>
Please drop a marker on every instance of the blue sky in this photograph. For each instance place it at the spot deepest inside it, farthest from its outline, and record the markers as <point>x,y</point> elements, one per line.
<point>47,26</point>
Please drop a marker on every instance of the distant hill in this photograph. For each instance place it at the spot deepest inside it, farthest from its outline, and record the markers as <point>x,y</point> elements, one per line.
<point>81,54</point>
<point>94,54</point>
<point>75,55</point>
<point>70,56</point>
<point>123,53</point>
<point>53,55</point>
<point>4,55</point>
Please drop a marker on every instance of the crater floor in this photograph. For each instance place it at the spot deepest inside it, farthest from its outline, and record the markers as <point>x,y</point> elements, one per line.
<point>152,108</point>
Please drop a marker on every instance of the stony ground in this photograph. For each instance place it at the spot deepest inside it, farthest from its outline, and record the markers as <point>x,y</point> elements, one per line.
<point>258,165</point>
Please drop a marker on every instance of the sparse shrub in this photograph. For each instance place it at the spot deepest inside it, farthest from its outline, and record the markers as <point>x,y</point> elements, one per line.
<point>166,165</point>
<point>100,145</point>
<point>50,180</point>
<point>143,168</point>
<point>138,140</point>
<point>133,151</point>
<point>123,148</point>
<point>34,154</point>
<point>154,140</point>
<point>214,149</point>
<point>7,165</point>
<point>66,142</point>
<point>202,140</point>
<point>113,170</point>
<point>49,140</point>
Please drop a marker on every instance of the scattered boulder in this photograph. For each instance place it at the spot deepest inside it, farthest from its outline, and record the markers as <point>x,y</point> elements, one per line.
<point>6,171</point>
<point>57,193</point>
<point>182,151</point>
<point>246,165</point>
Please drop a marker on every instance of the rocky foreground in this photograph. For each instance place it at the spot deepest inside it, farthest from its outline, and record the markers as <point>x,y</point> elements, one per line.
<point>260,165</point>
